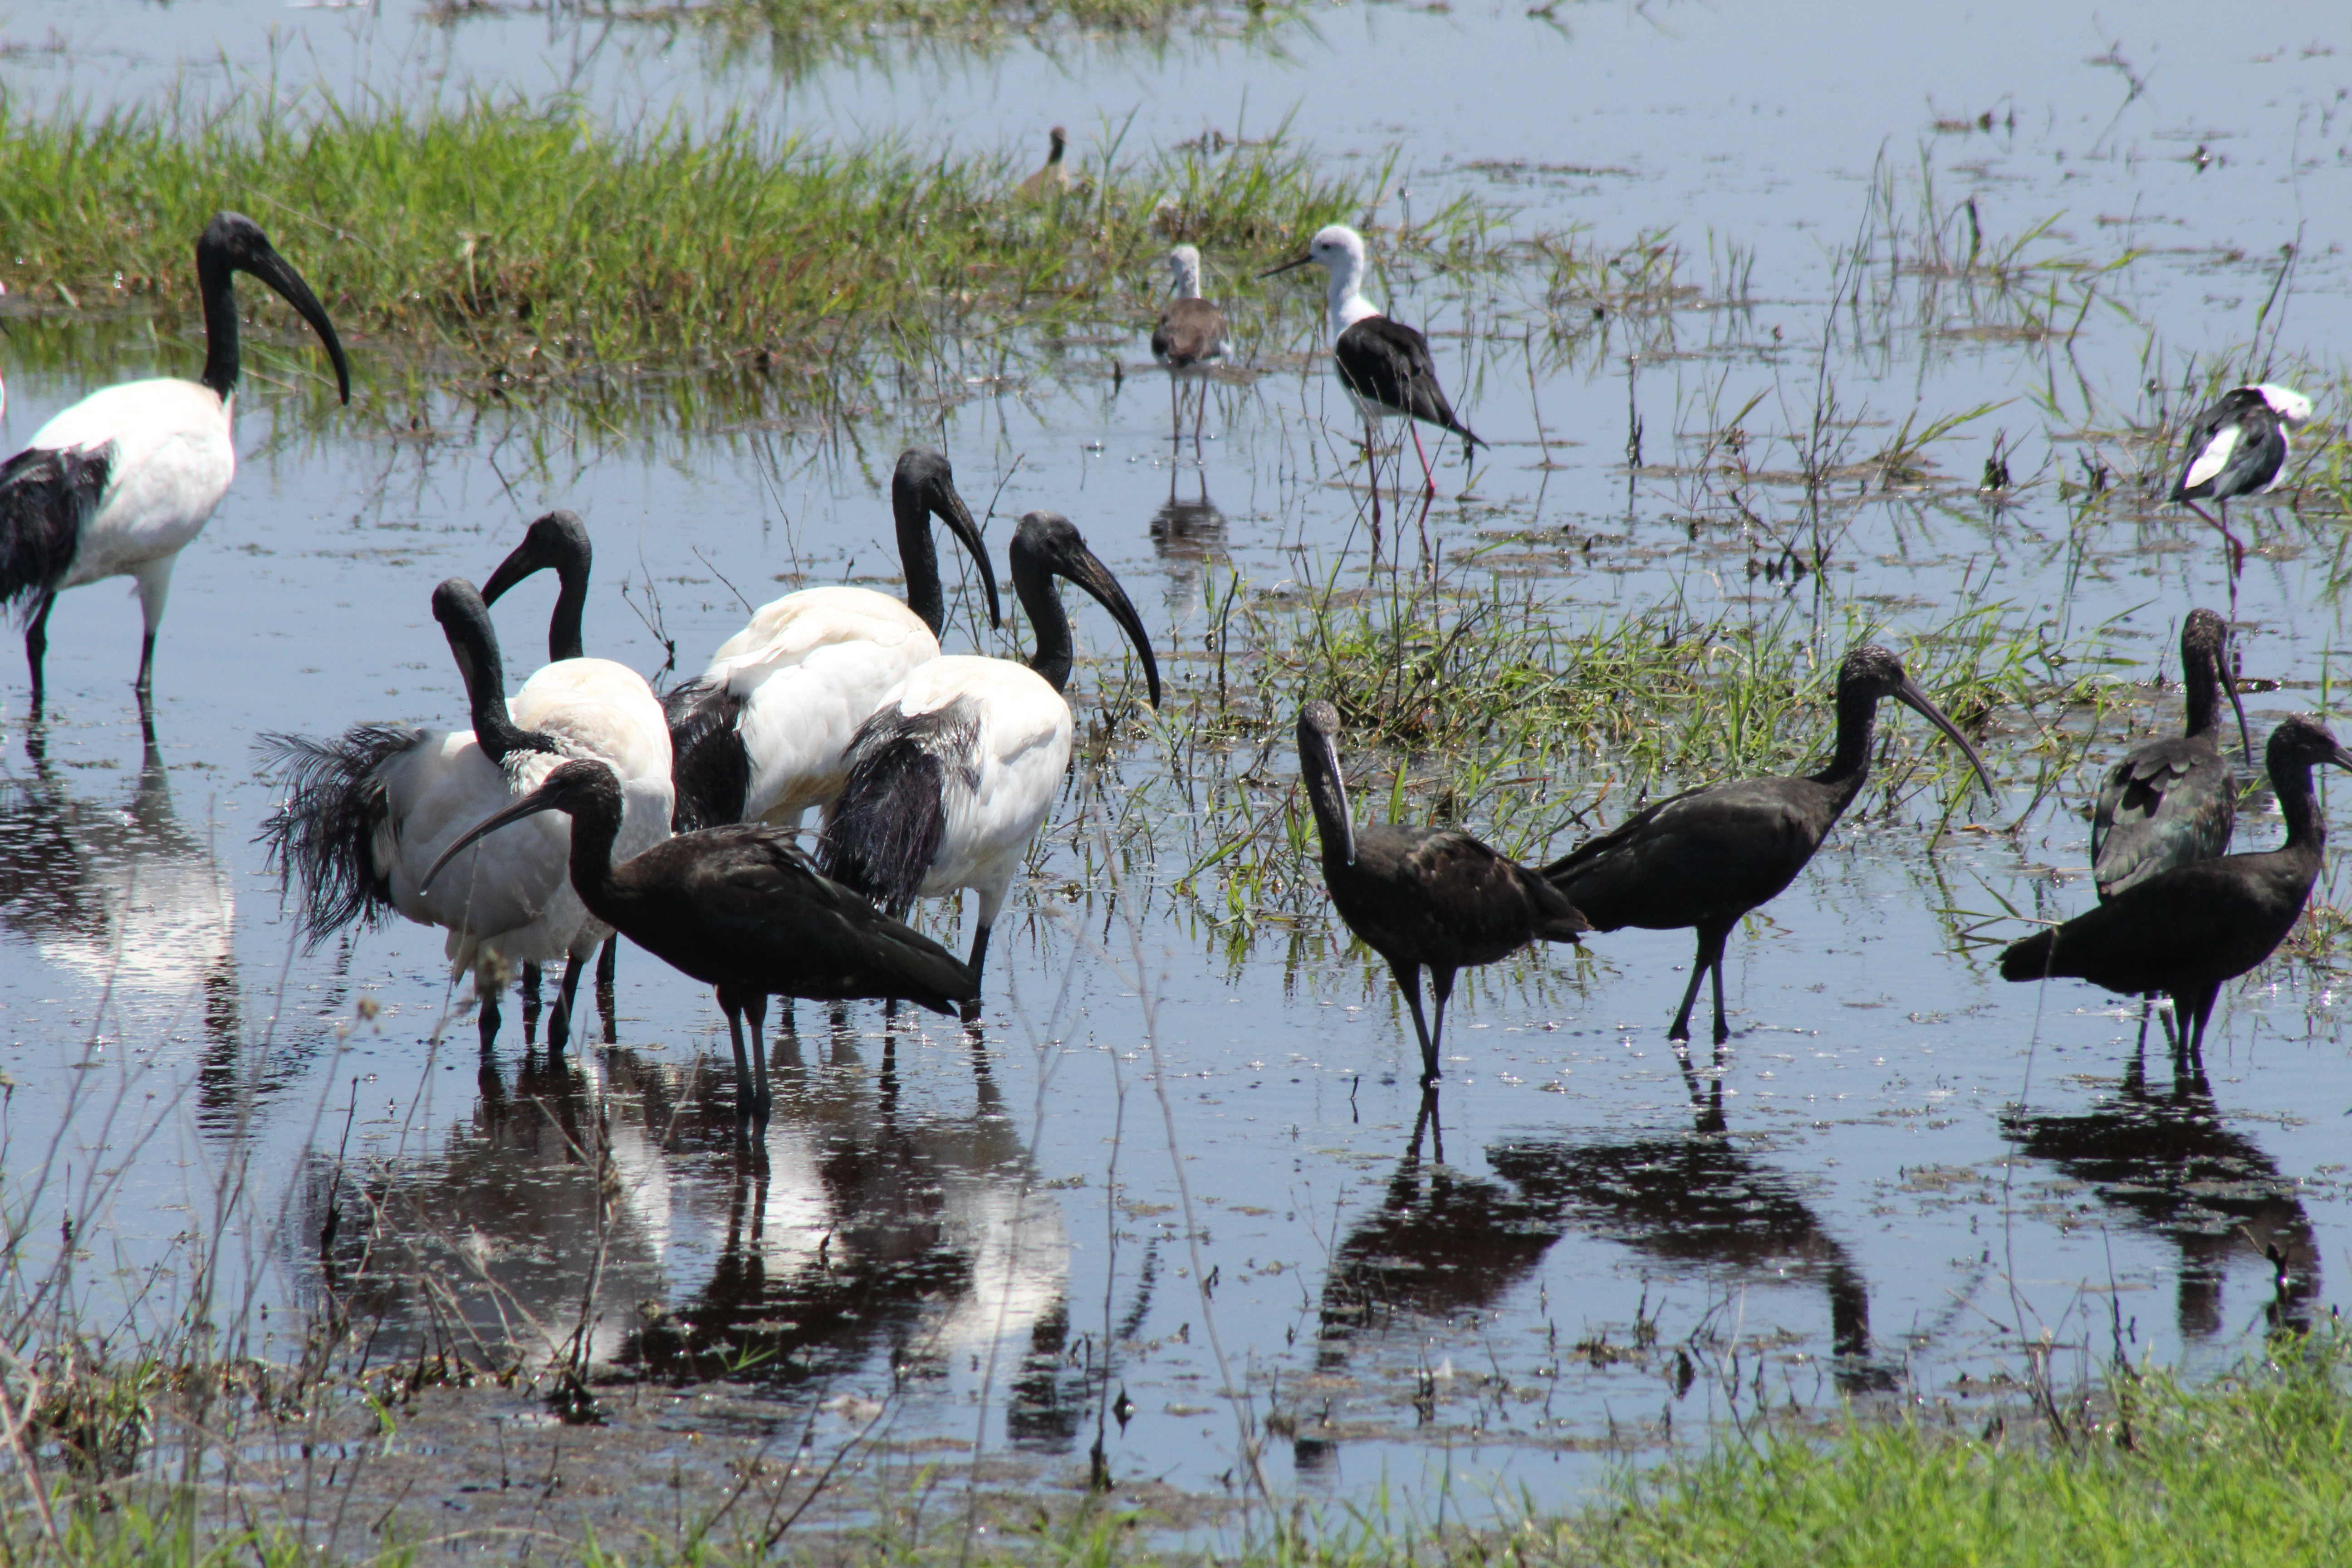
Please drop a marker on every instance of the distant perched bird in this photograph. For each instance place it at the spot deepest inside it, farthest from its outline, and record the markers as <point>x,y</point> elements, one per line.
<point>1051,179</point>
<point>2189,931</point>
<point>1191,334</point>
<point>1384,364</point>
<point>1429,897</point>
<point>119,484</point>
<point>955,771</point>
<point>2173,800</point>
<point>737,907</point>
<point>1707,855</point>
<point>2237,448</point>
<point>763,732</point>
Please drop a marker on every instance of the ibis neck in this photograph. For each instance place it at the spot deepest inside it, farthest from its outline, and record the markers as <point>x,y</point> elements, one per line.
<point>2202,685</point>
<point>215,281</point>
<point>595,828</point>
<point>1047,620</point>
<point>918,557</point>
<point>2306,830</point>
<point>1857,719</point>
<point>479,666</point>
<point>563,628</point>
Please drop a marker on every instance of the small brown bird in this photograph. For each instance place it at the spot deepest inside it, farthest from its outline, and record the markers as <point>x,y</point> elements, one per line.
<point>1191,335</point>
<point>1422,897</point>
<point>1053,179</point>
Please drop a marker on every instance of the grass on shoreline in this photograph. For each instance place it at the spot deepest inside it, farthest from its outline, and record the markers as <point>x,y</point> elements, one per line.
<point>541,246</point>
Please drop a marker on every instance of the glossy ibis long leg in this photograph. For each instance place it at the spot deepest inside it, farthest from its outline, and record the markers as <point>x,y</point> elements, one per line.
<point>1408,979</point>
<point>2194,1008</point>
<point>1722,1029</point>
<point>1712,935</point>
<point>1440,985</point>
<point>747,1088</point>
<point>567,997</point>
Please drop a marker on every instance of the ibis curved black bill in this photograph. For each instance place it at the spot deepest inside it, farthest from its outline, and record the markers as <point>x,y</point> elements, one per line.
<point>1327,790</point>
<point>1087,570</point>
<point>278,273</point>
<point>557,542</point>
<point>543,798</point>
<point>2229,684</point>
<point>948,506</point>
<point>1920,702</point>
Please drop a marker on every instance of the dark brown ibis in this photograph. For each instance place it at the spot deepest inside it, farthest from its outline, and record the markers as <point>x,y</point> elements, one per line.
<point>2189,931</point>
<point>1421,898</point>
<point>739,908</point>
<point>1707,855</point>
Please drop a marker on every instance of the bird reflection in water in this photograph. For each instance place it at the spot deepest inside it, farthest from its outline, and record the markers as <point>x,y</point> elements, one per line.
<point>2169,1164</point>
<point>126,898</point>
<point>1444,1242</point>
<point>1189,537</point>
<point>856,1239</point>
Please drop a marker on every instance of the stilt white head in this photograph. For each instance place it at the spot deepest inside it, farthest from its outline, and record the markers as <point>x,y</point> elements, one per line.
<point>1184,272</point>
<point>2291,406</point>
<point>1340,251</point>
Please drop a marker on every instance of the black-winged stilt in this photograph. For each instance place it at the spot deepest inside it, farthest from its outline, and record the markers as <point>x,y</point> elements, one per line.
<point>1190,336</point>
<point>2238,447</point>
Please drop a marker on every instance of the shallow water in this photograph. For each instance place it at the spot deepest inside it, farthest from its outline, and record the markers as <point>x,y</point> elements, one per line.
<point>1906,1173</point>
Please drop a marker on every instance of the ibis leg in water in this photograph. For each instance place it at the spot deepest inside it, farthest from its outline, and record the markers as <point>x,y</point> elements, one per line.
<point>2189,931</point>
<point>1705,858</point>
<point>739,909</point>
<point>1421,898</point>
<point>120,484</point>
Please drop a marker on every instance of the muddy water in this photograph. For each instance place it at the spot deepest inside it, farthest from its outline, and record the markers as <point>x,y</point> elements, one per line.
<point>1182,1180</point>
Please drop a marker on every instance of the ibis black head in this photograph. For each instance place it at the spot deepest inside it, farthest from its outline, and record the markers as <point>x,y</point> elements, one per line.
<point>1870,673</point>
<point>558,542</point>
<point>2303,741</point>
<point>231,242</point>
<point>2206,659</point>
<point>580,789</point>
<point>1046,542</point>
<point>922,487</point>
<point>1326,791</point>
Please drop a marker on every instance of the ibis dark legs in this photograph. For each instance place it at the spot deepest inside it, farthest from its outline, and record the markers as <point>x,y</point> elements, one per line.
<point>1712,936</point>
<point>36,644</point>
<point>751,1072</point>
<point>1441,986</point>
<point>978,962</point>
<point>531,1003</point>
<point>567,997</point>
<point>606,967</point>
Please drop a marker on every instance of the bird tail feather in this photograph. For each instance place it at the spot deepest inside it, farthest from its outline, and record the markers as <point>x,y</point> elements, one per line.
<point>322,835</point>
<point>710,766</point>
<point>46,497</point>
<point>884,834</point>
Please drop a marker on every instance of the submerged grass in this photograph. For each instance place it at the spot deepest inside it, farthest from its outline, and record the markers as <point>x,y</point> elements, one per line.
<point>542,246</point>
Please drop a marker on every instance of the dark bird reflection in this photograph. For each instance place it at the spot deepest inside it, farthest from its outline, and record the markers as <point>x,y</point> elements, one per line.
<point>1190,536</point>
<point>854,1237</point>
<point>2169,1164</point>
<point>1444,1242</point>
<point>127,899</point>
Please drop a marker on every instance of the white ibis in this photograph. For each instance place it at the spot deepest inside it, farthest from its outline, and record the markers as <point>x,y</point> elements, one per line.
<point>737,907</point>
<point>1383,363</point>
<point>591,708</point>
<point>953,773</point>
<point>1191,334</point>
<point>760,735</point>
<point>366,815</point>
<point>2238,447</point>
<point>120,484</point>
<point>1421,898</point>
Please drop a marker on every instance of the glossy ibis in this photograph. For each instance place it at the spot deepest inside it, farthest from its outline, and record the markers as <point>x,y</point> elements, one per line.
<point>739,908</point>
<point>955,771</point>
<point>2189,929</point>
<point>1421,898</point>
<point>2238,447</point>
<point>1191,335</point>
<point>593,708</point>
<point>2173,800</point>
<point>1383,363</point>
<point>1707,855</point>
<point>366,814</point>
<point>761,734</point>
<point>119,484</point>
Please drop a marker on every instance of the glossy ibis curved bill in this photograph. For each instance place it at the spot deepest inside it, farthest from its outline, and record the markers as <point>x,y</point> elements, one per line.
<point>2173,800</point>
<point>119,484</point>
<point>2190,930</point>
<point>1708,855</point>
<point>739,909</point>
<point>1421,898</point>
<point>1190,336</point>
<point>953,773</point>
<point>593,708</point>
<point>1384,364</point>
<point>762,733</point>
<point>2237,447</point>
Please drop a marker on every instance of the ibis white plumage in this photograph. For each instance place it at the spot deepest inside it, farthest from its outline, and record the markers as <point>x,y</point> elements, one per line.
<point>761,735</point>
<point>1384,364</point>
<point>2238,447</point>
<point>591,708</point>
<point>955,771</point>
<point>120,484</point>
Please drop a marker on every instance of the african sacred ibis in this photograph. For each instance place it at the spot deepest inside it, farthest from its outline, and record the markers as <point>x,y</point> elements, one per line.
<point>760,735</point>
<point>953,773</point>
<point>120,482</point>
<point>366,815</point>
<point>595,706</point>
<point>1383,363</point>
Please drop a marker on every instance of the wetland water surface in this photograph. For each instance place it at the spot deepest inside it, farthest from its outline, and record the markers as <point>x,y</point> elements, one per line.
<point>1180,1191</point>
